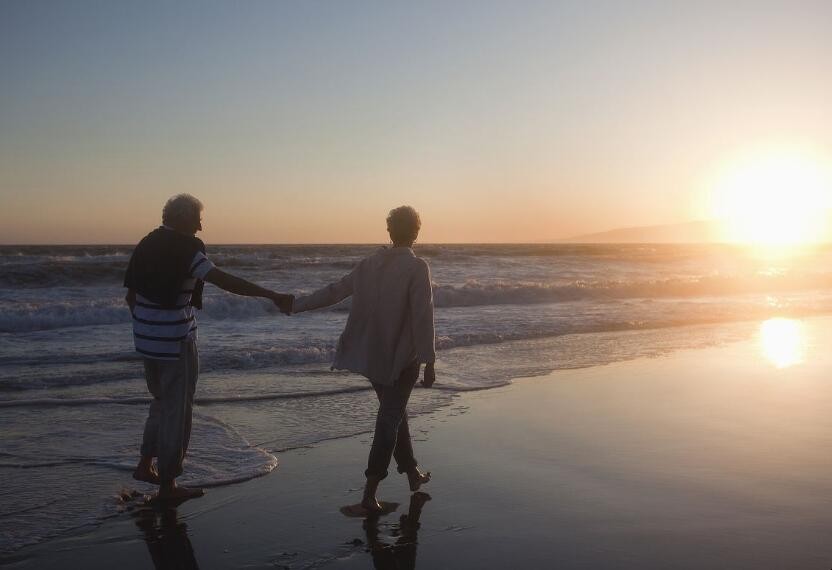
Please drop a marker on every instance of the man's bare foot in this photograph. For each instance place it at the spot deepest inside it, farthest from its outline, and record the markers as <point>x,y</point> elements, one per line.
<point>175,492</point>
<point>146,471</point>
<point>146,474</point>
<point>416,478</point>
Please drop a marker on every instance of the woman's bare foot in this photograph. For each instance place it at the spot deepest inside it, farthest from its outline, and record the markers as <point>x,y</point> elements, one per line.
<point>146,472</point>
<point>358,510</point>
<point>418,500</point>
<point>416,478</point>
<point>369,501</point>
<point>371,505</point>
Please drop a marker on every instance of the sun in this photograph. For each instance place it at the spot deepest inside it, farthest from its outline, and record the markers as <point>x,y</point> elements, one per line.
<point>775,198</point>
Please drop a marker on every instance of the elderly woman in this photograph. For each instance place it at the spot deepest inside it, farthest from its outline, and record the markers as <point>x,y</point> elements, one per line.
<point>389,334</point>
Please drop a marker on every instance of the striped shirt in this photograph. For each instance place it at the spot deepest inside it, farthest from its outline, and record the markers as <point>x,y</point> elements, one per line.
<point>158,333</point>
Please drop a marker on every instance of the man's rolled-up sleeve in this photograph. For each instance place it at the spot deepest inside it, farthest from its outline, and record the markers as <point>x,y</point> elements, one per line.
<point>200,266</point>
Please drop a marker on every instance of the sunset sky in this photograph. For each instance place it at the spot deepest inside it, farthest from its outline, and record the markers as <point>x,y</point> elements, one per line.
<point>307,121</point>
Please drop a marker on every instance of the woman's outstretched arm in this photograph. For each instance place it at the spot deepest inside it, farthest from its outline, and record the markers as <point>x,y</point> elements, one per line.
<point>329,295</point>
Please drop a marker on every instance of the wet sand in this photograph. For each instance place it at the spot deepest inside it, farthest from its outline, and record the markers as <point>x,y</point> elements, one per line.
<point>707,458</point>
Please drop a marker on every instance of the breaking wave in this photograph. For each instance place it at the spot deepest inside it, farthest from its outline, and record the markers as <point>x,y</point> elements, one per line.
<point>46,315</point>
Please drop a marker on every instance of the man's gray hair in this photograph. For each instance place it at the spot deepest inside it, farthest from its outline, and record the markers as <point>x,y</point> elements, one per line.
<point>404,224</point>
<point>182,208</point>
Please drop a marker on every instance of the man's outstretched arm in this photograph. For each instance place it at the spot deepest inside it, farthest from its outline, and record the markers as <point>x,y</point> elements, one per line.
<point>240,286</point>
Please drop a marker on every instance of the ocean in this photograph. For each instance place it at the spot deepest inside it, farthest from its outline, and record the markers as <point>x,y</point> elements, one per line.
<point>73,397</point>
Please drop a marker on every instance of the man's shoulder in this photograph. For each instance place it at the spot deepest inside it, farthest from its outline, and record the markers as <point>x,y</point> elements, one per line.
<point>199,243</point>
<point>149,237</point>
<point>167,238</point>
<point>190,243</point>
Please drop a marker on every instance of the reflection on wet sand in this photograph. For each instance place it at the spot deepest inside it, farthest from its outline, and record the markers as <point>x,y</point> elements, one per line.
<point>782,342</point>
<point>401,554</point>
<point>166,538</point>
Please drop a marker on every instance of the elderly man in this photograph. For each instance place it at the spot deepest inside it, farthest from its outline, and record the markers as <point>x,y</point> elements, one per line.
<point>164,281</point>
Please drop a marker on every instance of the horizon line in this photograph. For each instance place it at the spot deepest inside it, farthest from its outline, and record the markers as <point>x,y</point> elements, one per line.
<point>562,241</point>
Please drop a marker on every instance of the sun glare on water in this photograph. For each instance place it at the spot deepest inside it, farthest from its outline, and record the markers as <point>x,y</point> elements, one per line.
<point>782,342</point>
<point>775,199</point>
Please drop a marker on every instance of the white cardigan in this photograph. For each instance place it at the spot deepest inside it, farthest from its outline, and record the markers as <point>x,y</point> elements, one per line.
<point>391,317</point>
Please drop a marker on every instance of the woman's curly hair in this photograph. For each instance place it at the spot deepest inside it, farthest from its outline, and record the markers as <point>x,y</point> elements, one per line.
<point>403,223</point>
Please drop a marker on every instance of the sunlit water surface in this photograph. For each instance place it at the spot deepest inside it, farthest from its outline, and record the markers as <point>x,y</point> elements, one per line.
<point>73,399</point>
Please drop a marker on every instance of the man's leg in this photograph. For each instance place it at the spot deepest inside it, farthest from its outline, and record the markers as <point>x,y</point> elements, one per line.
<point>191,356</point>
<point>150,439</point>
<point>175,388</point>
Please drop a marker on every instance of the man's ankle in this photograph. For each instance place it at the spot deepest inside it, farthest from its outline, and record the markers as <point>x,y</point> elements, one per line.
<point>145,462</point>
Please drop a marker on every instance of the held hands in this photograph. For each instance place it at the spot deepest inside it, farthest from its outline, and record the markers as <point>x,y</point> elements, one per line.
<point>283,302</point>
<point>430,375</point>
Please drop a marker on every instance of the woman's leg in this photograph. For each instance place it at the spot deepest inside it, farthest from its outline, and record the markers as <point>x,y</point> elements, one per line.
<point>392,412</point>
<point>403,452</point>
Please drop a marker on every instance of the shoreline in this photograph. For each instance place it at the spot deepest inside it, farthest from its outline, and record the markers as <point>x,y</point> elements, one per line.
<point>699,458</point>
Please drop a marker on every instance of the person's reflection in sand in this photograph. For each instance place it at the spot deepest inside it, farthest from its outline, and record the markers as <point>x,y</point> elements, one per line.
<point>402,553</point>
<point>166,537</point>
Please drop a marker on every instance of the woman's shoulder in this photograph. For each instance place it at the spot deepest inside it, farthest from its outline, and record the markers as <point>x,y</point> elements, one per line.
<point>421,261</point>
<point>420,266</point>
<point>402,257</point>
<point>378,254</point>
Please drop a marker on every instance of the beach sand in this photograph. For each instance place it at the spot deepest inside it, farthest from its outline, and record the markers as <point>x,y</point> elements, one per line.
<point>707,458</point>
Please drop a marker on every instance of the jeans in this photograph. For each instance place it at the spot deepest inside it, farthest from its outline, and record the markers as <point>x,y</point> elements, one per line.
<point>167,430</point>
<point>392,435</point>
